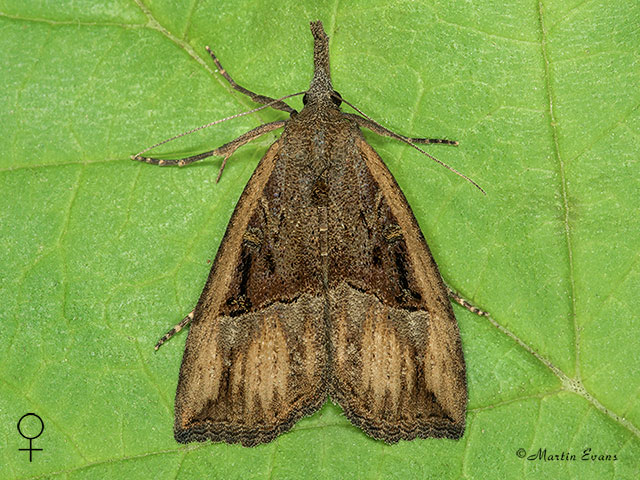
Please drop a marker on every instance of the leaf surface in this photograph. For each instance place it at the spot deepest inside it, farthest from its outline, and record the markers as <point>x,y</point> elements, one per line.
<point>101,255</point>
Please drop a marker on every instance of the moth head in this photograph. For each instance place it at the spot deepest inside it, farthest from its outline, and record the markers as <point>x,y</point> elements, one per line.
<point>334,97</point>
<point>321,90</point>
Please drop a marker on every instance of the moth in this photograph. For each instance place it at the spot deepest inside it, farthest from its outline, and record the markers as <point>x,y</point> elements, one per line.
<point>323,286</point>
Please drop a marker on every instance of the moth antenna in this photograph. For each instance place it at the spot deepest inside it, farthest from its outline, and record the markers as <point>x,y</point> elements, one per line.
<point>193,130</point>
<point>404,139</point>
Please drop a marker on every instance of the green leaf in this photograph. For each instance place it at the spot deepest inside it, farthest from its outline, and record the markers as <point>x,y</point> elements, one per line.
<point>101,255</point>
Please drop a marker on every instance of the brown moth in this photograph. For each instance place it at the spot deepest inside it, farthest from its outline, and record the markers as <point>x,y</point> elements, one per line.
<point>323,285</point>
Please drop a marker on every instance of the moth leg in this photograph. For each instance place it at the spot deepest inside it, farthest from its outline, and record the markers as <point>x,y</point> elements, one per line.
<point>225,150</point>
<point>174,330</point>
<point>455,296</point>
<point>279,105</point>
<point>181,162</point>
<point>380,130</point>
<point>228,148</point>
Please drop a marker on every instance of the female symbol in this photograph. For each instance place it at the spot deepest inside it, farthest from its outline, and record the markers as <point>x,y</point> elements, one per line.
<point>31,449</point>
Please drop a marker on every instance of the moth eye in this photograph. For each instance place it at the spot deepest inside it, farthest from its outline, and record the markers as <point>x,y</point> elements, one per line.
<point>305,99</point>
<point>336,98</point>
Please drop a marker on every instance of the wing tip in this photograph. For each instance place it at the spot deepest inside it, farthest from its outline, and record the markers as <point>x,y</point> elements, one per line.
<point>248,436</point>
<point>435,427</point>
